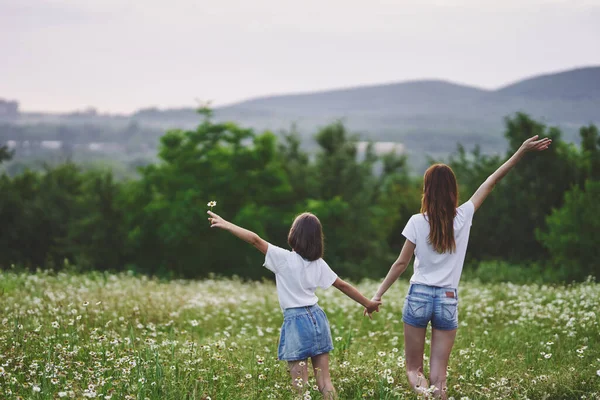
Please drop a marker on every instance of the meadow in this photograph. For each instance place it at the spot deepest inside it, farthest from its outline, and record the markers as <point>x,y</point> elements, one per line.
<point>119,336</point>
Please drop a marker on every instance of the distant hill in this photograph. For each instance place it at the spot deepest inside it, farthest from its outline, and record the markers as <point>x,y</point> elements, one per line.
<point>394,98</point>
<point>577,84</point>
<point>427,117</point>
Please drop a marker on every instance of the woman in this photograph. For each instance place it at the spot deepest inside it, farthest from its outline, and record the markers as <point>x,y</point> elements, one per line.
<point>438,237</point>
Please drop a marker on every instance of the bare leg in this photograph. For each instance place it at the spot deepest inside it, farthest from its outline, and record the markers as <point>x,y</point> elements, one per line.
<point>321,366</point>
<point>414,346</point>
<point>299,374</point>
<point>441,346</point>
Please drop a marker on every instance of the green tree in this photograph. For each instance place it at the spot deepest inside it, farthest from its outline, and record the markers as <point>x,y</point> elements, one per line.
<point>347,198</point>
<point>16,237</point>
<point>169,231</point>
<point>39,209</point>
<point>504,227</point>
<point>590,149</point>
<point>573,233</point>
<point>5,154</point>
<point>98,235</point>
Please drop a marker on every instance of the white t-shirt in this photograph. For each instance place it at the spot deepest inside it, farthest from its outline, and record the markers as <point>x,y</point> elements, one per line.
<point>432,268</point>
<point>297,278</point>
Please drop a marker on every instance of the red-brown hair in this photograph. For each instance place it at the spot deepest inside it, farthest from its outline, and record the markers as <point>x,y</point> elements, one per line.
<point>440,199</point>
<point>306,237</point>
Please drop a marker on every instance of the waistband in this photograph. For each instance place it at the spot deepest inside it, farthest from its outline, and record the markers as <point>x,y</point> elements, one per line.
<point>295,311</point>
<point>433,291</point>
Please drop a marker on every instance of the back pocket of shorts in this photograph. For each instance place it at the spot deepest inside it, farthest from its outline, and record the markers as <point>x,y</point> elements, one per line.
<point>416,307</point>
<point>450,310</point>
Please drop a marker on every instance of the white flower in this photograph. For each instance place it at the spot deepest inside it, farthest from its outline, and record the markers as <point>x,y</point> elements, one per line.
<point>194,322</point>
<point>262,377</point>
<point>390,380</point>
<point>598,372</point>
<point>55,324</point>
<point>36,388</point>
<point>62,394</point>
<point>337,339</point>
<point>547,356</point>
<point>212,204</point>
<point>248,376</point>
<point>478,373</point>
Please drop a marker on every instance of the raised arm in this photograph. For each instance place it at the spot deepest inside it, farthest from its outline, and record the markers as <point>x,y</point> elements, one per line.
<point>244,234</point>
<point>531,144</point>
<point>355,295</point>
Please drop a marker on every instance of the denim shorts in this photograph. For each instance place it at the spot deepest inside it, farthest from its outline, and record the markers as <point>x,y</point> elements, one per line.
<point>430,303</point>
<point>305,333</point>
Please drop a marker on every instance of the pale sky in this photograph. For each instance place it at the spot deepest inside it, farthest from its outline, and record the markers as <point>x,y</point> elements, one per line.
<point>122,55</point>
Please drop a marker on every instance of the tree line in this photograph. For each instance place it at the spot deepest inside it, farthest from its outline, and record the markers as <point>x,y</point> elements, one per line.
<point>541,221</point>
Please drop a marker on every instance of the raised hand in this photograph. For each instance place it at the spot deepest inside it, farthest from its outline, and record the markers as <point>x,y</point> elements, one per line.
<point>533,144</point>
<point>216,221</point>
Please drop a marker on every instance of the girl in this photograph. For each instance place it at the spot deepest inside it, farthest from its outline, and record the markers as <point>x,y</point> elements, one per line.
<point>298,273</point>
<point>438,237</point>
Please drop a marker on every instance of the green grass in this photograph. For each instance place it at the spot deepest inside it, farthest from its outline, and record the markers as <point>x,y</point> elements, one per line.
<point>124,337</point>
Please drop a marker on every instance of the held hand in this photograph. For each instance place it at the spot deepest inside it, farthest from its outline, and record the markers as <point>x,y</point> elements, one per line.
<point>533,144</point>
<point>216,221</point>
<point>372,307</point>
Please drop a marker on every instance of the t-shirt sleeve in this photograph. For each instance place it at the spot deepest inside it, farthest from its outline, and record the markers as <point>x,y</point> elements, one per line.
<point>327,275</point>
<point>276,258</point>
<point>410,230</point>
<point>468,209</point>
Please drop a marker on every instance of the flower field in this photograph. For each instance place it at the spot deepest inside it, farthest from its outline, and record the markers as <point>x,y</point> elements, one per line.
<point>123,337</point>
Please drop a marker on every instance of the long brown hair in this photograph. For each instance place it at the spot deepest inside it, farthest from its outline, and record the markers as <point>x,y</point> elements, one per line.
<point>306,237</point>
<point>440,199</point>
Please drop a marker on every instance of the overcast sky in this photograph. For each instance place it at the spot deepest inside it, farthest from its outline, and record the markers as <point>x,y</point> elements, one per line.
<point>121,55</point>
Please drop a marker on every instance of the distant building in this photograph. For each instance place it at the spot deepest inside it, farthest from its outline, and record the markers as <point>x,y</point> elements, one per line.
<point>381,148</point>
<point>9,108</point>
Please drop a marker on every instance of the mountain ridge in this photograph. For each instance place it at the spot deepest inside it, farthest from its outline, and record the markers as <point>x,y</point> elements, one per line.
<point>427,116</point>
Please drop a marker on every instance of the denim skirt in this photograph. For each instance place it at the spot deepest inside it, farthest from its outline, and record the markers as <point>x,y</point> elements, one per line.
<point>305,333</point>
<point>433,304</point>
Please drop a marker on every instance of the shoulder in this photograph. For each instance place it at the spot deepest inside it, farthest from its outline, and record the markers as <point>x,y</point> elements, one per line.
<point>418,219</point>
<point>464,213</point>
<point>322,263</point>
<point>277,257</point>
<point>278,250</point>
<point>466,209</point>
<point>326,275</point>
